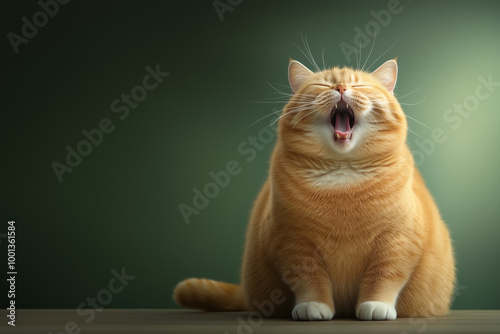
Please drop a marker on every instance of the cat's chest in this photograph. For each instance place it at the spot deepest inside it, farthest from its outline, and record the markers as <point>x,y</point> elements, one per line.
<point>346,242</point>
<point>339,174</point>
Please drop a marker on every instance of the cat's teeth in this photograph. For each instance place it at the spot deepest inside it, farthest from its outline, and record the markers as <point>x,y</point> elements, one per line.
<point>347,106</point>
<point>335,105</point>
<point>342,136</point>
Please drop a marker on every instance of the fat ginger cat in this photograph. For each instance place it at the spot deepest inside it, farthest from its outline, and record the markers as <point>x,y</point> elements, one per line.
<point>344,225</point>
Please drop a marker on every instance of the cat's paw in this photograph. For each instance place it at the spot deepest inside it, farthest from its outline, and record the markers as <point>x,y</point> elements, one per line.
<point>312,311</point>
<point>375,311</point>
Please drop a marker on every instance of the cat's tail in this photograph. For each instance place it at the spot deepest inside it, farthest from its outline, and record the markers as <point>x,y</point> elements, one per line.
<point>206,294</point>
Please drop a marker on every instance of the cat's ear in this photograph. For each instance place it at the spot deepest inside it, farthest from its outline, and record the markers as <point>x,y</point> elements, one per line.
<point>297,75</point>
<point>387,74</point>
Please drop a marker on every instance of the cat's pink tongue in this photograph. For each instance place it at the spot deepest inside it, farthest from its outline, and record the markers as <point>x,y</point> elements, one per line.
<point>342,126</point>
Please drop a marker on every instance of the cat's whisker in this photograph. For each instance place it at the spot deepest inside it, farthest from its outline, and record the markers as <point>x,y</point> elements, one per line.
<point>285,114</point>
<point>416,103</point>
<point>308,48</point>
<point>279,91</point>
<point>267,101</point>
<point>276,120</point>
<point>283,94</point>
<point>359,62</point>
<point>304,95</point>
<point>356,54</point>
<point>314,110</point>
<point>284,86</point>
<point>391,102</point>
<point>297,109</point>
<point>369,54</point>
<point>307,53</point>
<point>387,118</point>
<point>383,53</point>
<point>303,106</point>
<point>398,123</point>
<point>407,94</point>
<point>419,122</point>
<point>279,96</point>
<point>323,58</point>
<point>300,107</point>
<point>274,99</point>
<point>262,118</point>
<point>315,116</point>
<point>410,104</point>
<point>289,95</point>
<point>416,134</point>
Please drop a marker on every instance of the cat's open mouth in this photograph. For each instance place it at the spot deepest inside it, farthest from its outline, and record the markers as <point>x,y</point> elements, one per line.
<point>342,118</point>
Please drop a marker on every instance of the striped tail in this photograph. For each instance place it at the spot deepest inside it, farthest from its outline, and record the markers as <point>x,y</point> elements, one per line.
<point>201,293</point>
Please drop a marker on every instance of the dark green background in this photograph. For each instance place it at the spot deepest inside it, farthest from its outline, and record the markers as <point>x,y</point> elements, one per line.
<point>119,208</point>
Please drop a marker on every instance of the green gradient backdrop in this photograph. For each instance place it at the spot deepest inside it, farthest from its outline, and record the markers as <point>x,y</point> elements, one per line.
<point>119,208</point>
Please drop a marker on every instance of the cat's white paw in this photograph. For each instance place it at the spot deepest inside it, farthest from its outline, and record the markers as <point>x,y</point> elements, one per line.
<point>312,311</point>
<point>375,311</point>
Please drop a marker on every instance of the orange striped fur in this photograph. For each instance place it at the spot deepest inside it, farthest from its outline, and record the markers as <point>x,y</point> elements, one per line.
<point>344,228</point>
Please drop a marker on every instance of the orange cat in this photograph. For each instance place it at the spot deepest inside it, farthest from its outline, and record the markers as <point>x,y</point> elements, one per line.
<point>344,225</point>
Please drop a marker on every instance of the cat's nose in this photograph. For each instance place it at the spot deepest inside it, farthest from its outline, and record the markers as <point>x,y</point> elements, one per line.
<point>341,89</point>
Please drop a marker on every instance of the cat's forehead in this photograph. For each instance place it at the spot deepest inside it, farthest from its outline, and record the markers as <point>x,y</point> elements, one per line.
<point>342,75</point>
